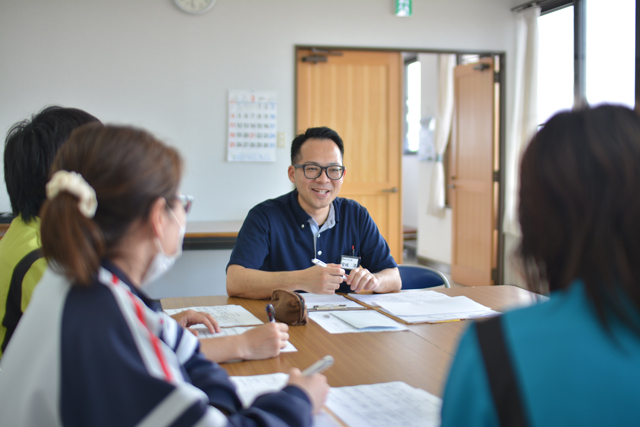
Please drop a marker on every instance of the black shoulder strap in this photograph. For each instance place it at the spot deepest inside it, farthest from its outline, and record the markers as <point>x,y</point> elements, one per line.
<point>13,308</point>
<point>502,380</point>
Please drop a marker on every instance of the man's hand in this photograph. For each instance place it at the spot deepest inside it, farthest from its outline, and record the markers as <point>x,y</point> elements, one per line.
<point>322,280</point>
<point>188,318</point>
<point>360,279</point>
<point>264,341</point>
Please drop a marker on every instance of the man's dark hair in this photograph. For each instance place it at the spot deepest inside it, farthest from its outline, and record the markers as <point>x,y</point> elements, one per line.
<point>315,133</point>
<point>29,150</point>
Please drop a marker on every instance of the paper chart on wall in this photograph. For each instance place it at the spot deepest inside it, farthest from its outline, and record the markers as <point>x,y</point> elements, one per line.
<point>252,131</point>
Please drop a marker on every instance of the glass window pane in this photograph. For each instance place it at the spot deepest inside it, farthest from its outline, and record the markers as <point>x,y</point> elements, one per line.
<point>555,63</point>
<point>414,92</point>
<point>610,51</point>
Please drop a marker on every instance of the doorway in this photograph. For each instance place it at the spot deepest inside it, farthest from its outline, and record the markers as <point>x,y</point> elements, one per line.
<point>434,239</point>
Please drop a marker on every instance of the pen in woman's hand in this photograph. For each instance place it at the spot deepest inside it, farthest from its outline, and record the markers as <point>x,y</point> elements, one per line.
<point>318,367</point>
<point>271,312</point>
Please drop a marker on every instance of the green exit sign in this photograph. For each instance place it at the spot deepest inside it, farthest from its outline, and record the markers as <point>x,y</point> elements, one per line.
<point>404,7</point>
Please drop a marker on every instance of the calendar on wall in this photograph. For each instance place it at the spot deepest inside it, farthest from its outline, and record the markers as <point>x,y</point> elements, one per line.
<point>252,126</point>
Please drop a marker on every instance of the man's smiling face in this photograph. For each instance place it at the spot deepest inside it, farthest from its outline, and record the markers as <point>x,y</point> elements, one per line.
<point>315,195</point>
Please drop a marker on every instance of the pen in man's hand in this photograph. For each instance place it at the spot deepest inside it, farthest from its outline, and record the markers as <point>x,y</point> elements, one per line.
<point>271,312</point>
<point>316,261</point>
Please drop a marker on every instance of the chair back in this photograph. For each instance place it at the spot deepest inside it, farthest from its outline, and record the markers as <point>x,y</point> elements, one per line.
<point>420,277</point>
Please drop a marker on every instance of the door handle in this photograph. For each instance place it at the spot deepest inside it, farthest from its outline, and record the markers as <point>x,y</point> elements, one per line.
<point>452,186</point>
<point>390,190</point>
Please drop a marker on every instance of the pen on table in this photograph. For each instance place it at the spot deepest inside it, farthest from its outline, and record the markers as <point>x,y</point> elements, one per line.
<point>316,261</point>
<point>328,307</point>
<point>320,366</point>
<point>271,312</point>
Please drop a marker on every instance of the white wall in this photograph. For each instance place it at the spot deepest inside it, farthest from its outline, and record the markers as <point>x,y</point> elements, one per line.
<point>146,63</point>
<point>434,234</point>
<point>196,273</point>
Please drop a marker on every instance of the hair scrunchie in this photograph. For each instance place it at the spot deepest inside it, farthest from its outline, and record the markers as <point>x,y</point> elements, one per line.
<point>75,184</point>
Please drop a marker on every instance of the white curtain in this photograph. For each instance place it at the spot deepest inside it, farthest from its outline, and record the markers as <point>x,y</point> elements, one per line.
<point>524,120</point>
<point>446,64</point>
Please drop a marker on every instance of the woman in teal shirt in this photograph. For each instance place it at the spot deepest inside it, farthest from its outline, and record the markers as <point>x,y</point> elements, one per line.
<point>574,360</point>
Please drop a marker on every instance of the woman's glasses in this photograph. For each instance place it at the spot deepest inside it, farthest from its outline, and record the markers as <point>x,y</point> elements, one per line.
<point>185,201</point>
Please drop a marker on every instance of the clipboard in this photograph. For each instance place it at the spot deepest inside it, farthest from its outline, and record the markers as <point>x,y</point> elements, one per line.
<point>403,321</point>
<point>344,304</point>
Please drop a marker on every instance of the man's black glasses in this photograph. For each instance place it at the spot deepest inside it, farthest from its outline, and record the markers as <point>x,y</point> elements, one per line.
<point>314,171</point>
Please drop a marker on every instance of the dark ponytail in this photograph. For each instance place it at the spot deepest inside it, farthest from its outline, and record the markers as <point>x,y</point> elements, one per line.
<point>74,242</point>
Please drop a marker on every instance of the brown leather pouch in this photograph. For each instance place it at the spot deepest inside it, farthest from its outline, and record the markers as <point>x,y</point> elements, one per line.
<point>289,307</point>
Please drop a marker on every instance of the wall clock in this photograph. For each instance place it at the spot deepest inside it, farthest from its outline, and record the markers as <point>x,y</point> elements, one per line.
<point>195,7</point>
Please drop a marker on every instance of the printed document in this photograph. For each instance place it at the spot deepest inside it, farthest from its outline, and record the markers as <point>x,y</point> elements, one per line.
<point>340,322</point>
<point>203,332</point>
<point>250,387</point>
<point>384,404</point>
<point>427,306</point>
<point>405,296</point>
<point>437,306</point>
<point>226,315</point>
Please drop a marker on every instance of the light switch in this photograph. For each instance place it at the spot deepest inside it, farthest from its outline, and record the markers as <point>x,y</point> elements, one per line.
<point>281,140</point>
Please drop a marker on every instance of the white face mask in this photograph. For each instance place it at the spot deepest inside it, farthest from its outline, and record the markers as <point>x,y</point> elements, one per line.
<point>161,262</point>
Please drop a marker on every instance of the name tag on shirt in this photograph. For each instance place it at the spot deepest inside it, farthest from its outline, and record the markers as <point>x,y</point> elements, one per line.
<point>349,262</point>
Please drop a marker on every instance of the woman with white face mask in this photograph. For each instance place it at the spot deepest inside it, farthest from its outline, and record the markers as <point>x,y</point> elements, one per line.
<point>92,348</point>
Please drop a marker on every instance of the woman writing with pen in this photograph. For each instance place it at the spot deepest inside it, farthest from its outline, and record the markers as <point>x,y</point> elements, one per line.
<point>92,349</point>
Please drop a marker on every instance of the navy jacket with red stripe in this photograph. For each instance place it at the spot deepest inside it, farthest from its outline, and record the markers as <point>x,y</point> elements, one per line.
<point>106,355</point>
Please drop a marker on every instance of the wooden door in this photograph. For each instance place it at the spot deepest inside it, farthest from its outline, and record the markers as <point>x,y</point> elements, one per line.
<point>473,162</point>
<point>358,94</point>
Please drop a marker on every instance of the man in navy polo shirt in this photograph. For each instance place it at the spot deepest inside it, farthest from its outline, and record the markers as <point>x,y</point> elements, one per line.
<point>280,237</point>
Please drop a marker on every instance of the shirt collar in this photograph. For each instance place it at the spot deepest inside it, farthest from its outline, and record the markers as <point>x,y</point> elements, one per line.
<point>329,223</point>
<point>302,217</point>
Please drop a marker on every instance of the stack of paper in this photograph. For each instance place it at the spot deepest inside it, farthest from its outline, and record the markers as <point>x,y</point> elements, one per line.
<point>340,322</point>
<point>427,306</point>
<point>406,296</point>
<point>250,387</point>
<point>370,405</point>
<point>317,302</point>
<point>386,404</point>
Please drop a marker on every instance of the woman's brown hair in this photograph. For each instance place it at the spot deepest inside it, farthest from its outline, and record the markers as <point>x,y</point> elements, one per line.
<point>580,207</point>
<point>129,170</point>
